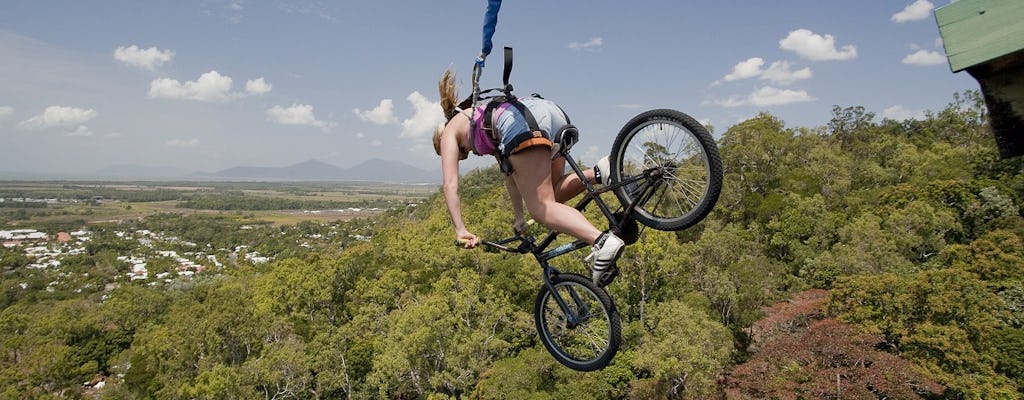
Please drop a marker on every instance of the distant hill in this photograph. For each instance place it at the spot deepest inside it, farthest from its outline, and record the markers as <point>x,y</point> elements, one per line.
<point>371,170</point>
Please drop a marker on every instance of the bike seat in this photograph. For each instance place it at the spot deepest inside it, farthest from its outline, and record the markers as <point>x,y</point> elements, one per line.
<point>564,139</point>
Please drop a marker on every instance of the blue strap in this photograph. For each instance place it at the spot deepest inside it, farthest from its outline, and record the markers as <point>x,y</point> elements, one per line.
<point>490,23</point>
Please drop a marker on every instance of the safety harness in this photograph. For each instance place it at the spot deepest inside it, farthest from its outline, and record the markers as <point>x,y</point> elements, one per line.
<point>505,97</point>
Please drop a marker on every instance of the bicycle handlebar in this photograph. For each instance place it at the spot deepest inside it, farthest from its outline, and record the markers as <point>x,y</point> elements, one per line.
<point>525,240</point>
<point>501,244</point>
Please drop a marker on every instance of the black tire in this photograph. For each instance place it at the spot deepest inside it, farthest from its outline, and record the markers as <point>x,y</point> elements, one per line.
<point>593,342</point>
<point>691,168</point>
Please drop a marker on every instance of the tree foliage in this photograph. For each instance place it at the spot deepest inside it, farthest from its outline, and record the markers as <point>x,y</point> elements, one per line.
<point>913,227</point>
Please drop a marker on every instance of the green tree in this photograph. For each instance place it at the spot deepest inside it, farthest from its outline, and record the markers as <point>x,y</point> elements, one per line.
<point>682,354</point>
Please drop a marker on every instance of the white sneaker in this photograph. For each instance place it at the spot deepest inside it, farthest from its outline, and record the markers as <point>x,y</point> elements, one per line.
<point>602,258</point>
<point>601,170</point>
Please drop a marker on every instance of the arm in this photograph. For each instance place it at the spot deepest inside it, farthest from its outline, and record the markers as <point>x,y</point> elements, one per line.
<point>450,185</point>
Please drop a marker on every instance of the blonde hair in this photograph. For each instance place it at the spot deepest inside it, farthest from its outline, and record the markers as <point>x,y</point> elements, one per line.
<point>449,98</point>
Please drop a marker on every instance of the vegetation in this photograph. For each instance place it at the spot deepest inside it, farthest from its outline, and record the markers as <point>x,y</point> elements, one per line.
<point>899,241</point>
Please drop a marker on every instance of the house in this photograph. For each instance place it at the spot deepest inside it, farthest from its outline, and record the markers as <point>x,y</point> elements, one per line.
<point>986,39</point>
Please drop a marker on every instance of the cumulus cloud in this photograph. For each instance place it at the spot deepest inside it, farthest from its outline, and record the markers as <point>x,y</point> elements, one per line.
<point>210,87</point>
<point>767,96</point>
<point>592,44</point>
<point>257,87</point>
<point>770,96</point>
<point>6,112</point>
<point>917,11</point>
<point>58,117</point>
<point>297,114</point>
<point>900,113</point>
<point>81,130</point>
<point>815,47</point>
<point>428,115</point>
<point>183,143</point>
<point>925,58</point>
<point>780,72</point>
<point>149,59</point>
<point>383,114</point>
<point>746,69</point>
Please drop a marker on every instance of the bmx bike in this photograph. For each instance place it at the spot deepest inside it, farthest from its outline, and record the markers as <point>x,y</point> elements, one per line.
<point>666,173</point>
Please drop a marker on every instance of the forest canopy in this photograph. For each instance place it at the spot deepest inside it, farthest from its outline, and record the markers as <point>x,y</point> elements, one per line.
<point>910,232</point>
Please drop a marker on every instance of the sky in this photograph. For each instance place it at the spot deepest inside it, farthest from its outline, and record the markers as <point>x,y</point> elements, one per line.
<point>206,85</point>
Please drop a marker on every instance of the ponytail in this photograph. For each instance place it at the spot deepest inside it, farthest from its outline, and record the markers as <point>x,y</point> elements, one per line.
<point>449,93</point>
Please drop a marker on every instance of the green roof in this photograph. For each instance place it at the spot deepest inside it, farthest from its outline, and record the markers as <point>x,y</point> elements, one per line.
<point>977,31</point>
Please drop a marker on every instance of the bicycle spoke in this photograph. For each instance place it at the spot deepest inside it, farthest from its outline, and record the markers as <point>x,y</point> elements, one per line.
<point>590,338</point>
<point>685,164</point>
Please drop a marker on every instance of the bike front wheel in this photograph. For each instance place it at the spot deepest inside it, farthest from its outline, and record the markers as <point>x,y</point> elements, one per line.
<point>586,334</point>
<point>680,164</point>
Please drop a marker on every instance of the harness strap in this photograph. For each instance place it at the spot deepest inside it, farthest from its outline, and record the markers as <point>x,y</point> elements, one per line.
<point>531,122</point>
<point>508,71</point>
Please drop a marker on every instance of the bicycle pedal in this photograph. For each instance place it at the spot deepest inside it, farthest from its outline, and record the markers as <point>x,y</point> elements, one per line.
<point>608,276</point>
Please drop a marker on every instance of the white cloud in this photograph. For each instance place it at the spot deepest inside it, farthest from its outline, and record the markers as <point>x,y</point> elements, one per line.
<point>82,130</point>
<point>781,72</point>
<point>58,116</point>
<point>749,68</point>
<point>917,11</point>
<point>149,59</point>
<point>731,101</point>
<point>183,143</point>
<point>770,96</point>
<point>383,114</point>
<point>591,44</point>
<point>210,87</point>
<point>899,113</point>
<point>427,116</point>
<point>376,142</point>
<point>297,114</point>
<point>6,112</point>
<point>767,96</point>
<point>925,57</point>
<point>815,47</point>
<point>257,87</point>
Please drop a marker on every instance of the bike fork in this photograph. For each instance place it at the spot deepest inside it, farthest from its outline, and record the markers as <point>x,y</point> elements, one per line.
<point>573,318</point>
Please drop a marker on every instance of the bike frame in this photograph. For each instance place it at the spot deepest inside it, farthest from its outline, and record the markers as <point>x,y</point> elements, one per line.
<point>645,190</point>
<point>591,194</point>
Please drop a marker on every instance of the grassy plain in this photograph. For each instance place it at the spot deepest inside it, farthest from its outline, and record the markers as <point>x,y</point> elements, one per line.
<point>30,203</point>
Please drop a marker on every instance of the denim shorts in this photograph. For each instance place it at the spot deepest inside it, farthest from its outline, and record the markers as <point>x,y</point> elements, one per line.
<point>515,130</point>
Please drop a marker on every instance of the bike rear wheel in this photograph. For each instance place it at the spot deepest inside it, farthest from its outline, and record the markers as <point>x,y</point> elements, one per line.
<point>590,342</point>
<point>682,163</point>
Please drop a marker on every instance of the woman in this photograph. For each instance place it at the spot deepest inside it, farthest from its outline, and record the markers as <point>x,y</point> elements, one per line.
<point>534,177</point>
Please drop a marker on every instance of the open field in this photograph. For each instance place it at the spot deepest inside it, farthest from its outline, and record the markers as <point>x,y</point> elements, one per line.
<point>25,203</point>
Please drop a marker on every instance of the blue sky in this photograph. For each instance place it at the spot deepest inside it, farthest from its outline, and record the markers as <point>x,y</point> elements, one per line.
<point>206,85</point>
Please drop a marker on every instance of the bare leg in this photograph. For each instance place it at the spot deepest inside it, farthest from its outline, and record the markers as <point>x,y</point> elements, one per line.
<point>533,178</point>
<point>567,185</point>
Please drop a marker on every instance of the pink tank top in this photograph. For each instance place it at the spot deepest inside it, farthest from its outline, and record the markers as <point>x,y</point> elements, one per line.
<point>481,141</point>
